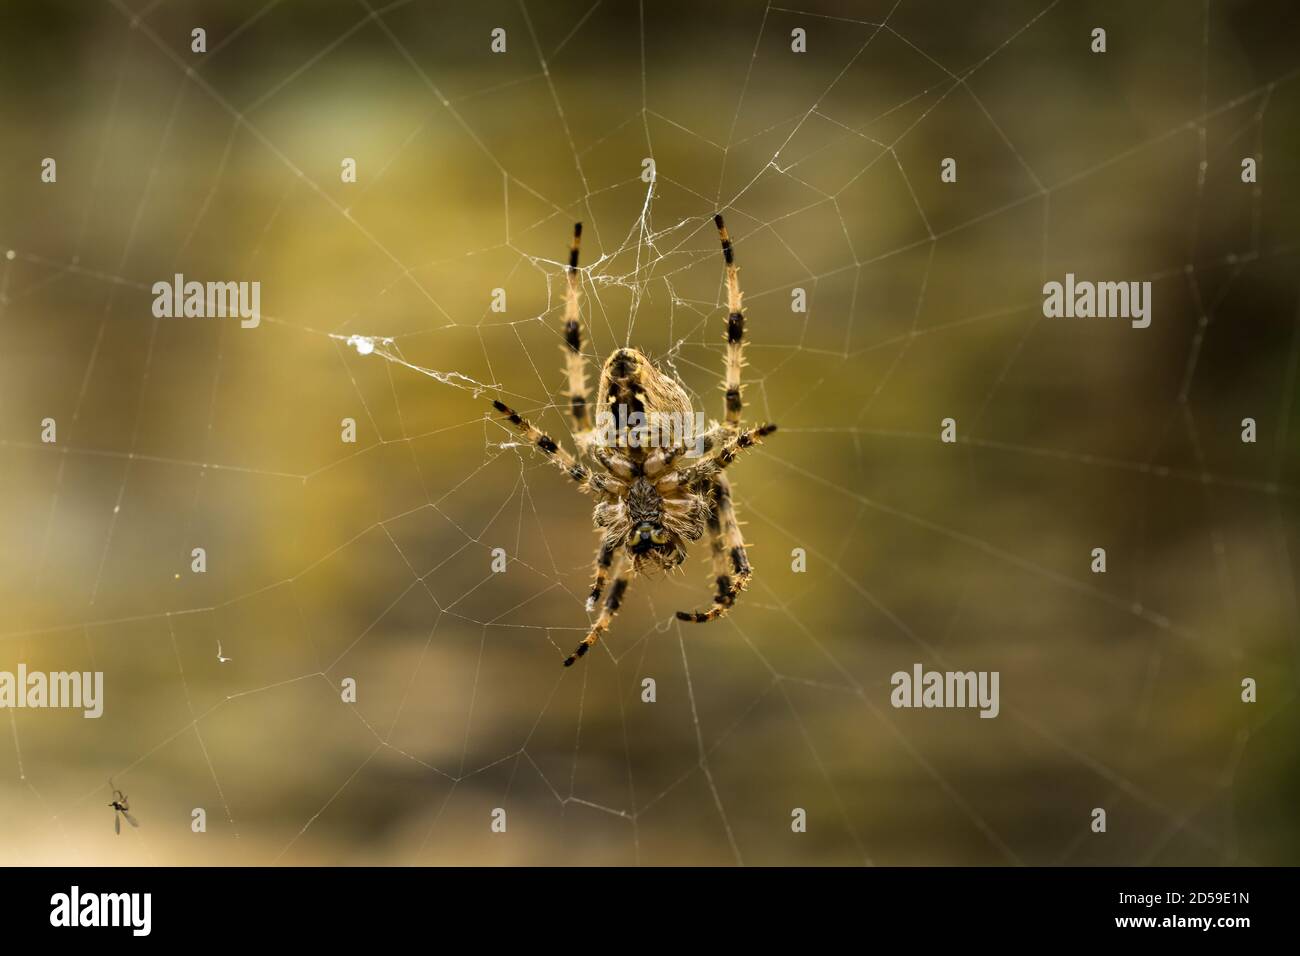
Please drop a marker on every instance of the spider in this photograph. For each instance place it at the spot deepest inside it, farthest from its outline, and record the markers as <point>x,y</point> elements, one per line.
<point>651,501</point>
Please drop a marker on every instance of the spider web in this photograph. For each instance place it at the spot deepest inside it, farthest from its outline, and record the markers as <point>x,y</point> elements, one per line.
<point>373,561</point>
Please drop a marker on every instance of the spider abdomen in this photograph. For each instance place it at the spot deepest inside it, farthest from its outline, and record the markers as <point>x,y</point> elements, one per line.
<point>630,379</point>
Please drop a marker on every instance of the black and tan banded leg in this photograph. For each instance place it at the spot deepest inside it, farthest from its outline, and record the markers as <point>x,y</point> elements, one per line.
<point>732,447</point>
<point>735,359</point>
<point>574,361</point>
<point>587,479</point>
<point>613,601</point>
<point>604,558</point>
<point>718,556</point>
<point>727,453</point>
<point>731,568</point>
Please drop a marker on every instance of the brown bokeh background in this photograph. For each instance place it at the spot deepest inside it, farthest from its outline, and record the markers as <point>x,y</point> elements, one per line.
<point>372,561</point>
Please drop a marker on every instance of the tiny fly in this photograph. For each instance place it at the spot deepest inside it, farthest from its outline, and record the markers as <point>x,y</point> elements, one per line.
<point>121,808</point>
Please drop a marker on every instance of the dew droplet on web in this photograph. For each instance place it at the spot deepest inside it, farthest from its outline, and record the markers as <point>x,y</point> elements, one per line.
<point>363,344</point>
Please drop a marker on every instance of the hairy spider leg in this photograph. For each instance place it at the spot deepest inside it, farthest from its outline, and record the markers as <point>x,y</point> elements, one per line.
<point>575,362</point>
<point>613,601</point>
<point>731,567</point>
<point>732,447</point>
<point>725,455</point>
<point>604,558</point>
<point>735,330</point>
<point>558,454</point>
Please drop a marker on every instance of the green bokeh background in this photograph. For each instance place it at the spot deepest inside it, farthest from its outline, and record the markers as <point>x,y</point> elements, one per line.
<point>371,561</point>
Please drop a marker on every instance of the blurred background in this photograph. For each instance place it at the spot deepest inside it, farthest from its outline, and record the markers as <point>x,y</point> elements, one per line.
<point>372,561</point>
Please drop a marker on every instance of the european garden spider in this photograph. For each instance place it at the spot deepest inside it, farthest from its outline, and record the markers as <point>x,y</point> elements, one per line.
<point>651,501</point>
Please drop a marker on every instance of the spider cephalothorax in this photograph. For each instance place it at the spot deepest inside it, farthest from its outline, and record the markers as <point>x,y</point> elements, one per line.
<point>662,485</point>
<point>653,528</point>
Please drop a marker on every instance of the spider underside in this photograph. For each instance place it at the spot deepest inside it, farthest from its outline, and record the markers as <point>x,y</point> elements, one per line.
<point>651,501</point>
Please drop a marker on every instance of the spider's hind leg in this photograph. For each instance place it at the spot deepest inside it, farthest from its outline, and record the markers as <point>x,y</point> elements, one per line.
<point>731,568</point>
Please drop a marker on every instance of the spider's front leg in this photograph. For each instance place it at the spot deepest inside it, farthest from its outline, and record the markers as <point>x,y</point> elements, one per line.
<point>613,601</point>
<point>731,568</point>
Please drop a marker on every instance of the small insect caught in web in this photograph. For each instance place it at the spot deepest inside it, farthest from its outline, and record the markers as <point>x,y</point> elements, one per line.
<point>121,808</point>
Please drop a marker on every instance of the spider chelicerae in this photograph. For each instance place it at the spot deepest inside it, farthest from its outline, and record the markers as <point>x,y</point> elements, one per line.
<point>652,499</point>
